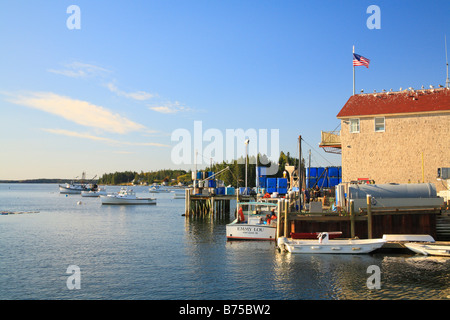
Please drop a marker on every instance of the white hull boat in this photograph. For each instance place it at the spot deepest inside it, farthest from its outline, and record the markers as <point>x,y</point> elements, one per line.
<point>179,195</point>
<point>94,193</point>
<point>253,226</point>
<point>126,197</point>
<point>245,231</point>
<point>429,249</point>
<point>72,188</point>
<point>324,245</point>
<point>158,189</point>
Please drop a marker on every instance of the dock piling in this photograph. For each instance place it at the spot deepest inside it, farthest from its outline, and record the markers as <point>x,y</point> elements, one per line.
<point>369,216</point>
<point>352,219</point>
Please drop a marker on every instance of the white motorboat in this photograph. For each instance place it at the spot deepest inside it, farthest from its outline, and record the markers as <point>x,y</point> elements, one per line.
<point>94,193</point>
<point>257,224</point>
<point>125,196</point>
<point>73,188</point>
<point>429,249</point>
<point>325,245</point>
<point>179,194</point>
<point>158,189</point>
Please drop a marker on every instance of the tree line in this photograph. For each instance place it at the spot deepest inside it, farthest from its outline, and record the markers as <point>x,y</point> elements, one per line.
<point>234,176</point>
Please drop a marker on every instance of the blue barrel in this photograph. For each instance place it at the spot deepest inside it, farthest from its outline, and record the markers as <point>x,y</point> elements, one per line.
<point>312,172</point>
<point>311,182</point>
<point>229,191</point>
<point>220,191</point>
<point>282,190</point>
<point>320,172</point>
<point>333,172</point>
<point>262,182</point>
<point>333,181</point>
<point>212,183</point>
<point>262,171</point>
<point>199,175</point>
<point>322,183</point>
<point>271,182</point>
<point>282,182</point>
<point>271,189</point>
<point>340,171</point>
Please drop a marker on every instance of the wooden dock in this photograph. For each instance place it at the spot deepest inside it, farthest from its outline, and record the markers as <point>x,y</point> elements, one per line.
<point>208,204</point>
<point>367,223</point>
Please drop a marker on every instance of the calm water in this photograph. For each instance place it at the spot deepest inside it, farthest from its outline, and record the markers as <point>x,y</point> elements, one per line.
<point>152,252</point>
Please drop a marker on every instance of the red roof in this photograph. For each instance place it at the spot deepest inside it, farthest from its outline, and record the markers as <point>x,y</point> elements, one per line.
<point>414,101</point>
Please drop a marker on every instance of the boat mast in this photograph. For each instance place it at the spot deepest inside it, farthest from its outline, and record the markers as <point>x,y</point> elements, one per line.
<point>299,173</point>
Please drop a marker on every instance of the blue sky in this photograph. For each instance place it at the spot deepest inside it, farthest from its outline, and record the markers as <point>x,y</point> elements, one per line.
<point>108,96</point>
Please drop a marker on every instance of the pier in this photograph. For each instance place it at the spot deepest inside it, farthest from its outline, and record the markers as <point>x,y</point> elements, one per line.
<point>208,204</point>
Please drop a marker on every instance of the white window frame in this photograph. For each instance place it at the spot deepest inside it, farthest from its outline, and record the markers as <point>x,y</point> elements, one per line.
<point>351,127</point>
<point>375,124</point>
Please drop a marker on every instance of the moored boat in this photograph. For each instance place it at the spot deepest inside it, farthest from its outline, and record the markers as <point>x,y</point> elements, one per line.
<point>429,249</point>
<point>94,192</point>
<point>158,189</point>
<point>314,235</point>
<point>179,194</point>
<point>325,245</point>
<point>257,224</point>
<point>126,197</point>
<point>73,188</point>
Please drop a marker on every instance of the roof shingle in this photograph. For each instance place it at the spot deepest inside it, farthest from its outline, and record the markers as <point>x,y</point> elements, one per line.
<point>413,101</point>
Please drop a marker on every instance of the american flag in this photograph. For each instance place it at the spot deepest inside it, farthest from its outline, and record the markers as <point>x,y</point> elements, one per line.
<point>360,60</point>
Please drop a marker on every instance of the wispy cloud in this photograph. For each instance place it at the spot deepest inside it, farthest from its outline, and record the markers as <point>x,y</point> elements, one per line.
<point>169,107</point>
<point>78,111</point>
<point>138,95</point>
<point>89,136</point>
<point>80,70</point>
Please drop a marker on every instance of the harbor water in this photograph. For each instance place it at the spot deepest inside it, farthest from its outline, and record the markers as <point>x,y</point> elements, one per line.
<point>155,253</point>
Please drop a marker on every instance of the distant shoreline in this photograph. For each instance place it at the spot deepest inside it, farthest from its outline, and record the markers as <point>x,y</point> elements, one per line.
<point>44,181</point>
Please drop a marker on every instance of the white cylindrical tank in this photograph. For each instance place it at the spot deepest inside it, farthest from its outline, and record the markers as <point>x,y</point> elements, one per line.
<point>392,190</point>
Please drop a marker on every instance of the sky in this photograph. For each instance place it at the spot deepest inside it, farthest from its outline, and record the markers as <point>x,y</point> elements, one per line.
<point>142,85</point>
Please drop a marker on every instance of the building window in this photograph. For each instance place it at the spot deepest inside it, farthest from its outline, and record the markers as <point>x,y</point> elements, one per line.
<point>379,124</point>
<point>354,125</point>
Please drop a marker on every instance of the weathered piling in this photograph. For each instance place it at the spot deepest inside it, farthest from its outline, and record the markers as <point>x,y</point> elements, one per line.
<point>352,219</point>
<point>207,205</point>
<point>369,216</point>
<point>286,207</point>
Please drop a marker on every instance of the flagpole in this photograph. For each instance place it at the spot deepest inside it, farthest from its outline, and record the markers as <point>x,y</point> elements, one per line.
<point>353,72</point>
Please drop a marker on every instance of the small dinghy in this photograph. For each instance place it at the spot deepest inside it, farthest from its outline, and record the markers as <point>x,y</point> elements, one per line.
<point>429,249</point>
<point>325,245</point>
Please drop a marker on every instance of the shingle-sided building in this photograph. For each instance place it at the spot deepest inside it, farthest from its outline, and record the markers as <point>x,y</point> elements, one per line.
<point>396,137</point>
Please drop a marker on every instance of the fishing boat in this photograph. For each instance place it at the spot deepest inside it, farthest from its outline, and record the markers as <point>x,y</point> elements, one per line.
<point>258,223</point>
<point>429,249</point>
<point>73,188</point>
<point>77,188</point>
<point>94,192</point>
<point>158,189</point>
<point>325,245</point>
<point>125,196</point>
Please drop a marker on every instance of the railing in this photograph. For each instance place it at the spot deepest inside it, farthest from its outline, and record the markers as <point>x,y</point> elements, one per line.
<point>330,139</point>
<point>331,142</point>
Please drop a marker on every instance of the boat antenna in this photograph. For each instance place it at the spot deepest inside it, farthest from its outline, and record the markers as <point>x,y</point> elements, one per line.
<point>447,82</point>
